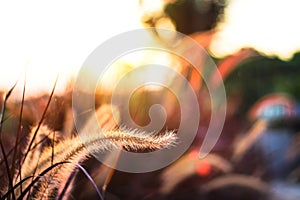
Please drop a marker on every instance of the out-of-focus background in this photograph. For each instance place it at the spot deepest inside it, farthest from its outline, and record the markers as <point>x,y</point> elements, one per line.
<point>254,43</point>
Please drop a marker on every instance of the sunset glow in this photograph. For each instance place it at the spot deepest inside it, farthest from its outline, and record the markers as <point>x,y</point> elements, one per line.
<point>46,39</point>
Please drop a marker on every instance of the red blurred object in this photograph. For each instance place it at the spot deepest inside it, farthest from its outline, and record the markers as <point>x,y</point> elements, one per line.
<point>203,168</point>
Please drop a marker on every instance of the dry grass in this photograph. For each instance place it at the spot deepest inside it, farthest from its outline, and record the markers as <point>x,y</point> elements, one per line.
<point>43,163</point>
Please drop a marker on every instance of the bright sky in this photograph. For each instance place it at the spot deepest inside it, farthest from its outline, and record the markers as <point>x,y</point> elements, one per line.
<point>47,37</point>
<point>271,26</point>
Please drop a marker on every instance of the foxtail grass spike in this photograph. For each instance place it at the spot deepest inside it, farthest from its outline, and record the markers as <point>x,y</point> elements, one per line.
<point>77,149</point>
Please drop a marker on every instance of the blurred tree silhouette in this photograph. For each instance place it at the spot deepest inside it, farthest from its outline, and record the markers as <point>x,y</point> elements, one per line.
<point>258,76</point>
<point>192,16</point>
<point>189,16</point>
